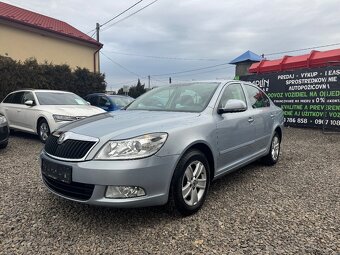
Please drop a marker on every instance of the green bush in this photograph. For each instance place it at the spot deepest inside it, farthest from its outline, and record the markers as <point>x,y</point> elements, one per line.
<point>16,75</point>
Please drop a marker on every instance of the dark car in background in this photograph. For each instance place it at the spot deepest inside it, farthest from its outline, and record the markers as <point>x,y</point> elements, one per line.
<point>4,132</point>
<point>108,102</point>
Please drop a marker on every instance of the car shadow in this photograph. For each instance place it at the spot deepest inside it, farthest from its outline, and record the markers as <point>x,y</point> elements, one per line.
<point>24,135</point>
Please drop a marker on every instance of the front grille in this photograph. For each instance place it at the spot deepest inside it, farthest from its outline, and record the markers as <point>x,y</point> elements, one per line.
<point>69,149</point>
<point>75,190</point>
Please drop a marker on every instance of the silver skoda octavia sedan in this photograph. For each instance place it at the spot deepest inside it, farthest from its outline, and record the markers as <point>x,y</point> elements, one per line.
<point>165,147</point>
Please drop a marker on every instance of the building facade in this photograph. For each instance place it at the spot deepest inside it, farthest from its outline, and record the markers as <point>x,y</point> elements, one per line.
<point>25,34</point>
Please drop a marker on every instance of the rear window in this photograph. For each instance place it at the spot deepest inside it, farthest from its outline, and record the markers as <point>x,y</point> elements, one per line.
<point>256,97</point>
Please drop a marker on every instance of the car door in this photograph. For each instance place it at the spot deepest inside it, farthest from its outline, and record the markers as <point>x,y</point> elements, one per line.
<point>263,116</point>
<point>12,109</point>
<point>29,119</point>
<point>235,131</point>
<point>5,107</point>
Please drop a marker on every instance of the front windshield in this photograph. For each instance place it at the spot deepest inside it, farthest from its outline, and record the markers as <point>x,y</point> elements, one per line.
<point>121,101</point>
<point>58,98</point>
<point>192,97</point>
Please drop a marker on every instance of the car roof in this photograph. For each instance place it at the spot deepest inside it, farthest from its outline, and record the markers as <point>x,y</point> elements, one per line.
<point>41,90</point>
<point>103,94</point>
<point>224,81</point>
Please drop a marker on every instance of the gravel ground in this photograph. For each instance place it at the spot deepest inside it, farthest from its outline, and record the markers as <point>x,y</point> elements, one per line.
<point>291,208</point>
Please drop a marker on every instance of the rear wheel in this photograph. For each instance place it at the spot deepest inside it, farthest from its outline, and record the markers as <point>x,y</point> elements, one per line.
<point>43,130</point>
<point>273,155</point>
<point>190,183</point>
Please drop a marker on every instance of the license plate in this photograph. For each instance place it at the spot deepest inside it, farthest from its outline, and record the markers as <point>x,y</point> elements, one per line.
<point>57,171</point>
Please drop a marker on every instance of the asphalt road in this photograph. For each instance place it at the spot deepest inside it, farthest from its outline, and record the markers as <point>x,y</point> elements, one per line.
<point>291,208</point>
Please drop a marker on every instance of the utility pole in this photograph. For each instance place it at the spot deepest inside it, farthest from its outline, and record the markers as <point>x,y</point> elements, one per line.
<point>169,80</point>
<point>149,78</point>
<point>97,33</point>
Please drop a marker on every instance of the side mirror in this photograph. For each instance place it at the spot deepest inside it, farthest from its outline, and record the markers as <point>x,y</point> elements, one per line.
<point>233,105</point>
<point>29,103</point>
<point>88,103</point>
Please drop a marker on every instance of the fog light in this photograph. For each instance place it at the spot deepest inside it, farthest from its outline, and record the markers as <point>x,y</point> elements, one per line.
<point>124,191</point>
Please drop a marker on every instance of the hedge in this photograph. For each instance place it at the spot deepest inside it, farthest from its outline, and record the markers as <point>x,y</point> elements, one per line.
<point>16,75</point>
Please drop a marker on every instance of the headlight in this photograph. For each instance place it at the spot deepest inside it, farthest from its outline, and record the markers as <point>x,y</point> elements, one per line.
<point>2,119</point>
<point>59,118</point>
<point>133,148</point>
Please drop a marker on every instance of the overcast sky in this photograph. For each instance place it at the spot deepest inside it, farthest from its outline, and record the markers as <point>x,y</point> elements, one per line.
<point>212,32</point>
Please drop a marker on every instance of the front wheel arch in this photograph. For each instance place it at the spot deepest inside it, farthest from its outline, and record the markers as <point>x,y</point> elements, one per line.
<point>206,150</point>
<point>175,200</point>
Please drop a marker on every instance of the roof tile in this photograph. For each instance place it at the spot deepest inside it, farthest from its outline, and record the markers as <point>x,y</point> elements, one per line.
<point>33,19</point>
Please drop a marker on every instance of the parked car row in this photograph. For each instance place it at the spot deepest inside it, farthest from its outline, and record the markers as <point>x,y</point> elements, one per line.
<point>43,111</point>
<point>168,145</point>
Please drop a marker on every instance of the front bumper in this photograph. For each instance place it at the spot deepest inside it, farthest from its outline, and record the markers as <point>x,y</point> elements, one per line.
<point>153,174</point>
<point>4,132</point>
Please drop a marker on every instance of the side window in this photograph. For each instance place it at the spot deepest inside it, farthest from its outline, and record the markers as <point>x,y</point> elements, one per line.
<point>256,97</point>
<point>104,102</point>
<point>93,100</point>
<point>232,91</point>
<point>27,96</point>
<point>17,97</point>
<point>9,99</point>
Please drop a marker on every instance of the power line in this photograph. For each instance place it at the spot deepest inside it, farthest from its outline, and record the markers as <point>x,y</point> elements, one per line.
<point>125,82</point>
<point>89,32</point>
<point>121,66</point>
<point>121,13</point>
<point>209,71</point>
<point>164,57</point>
<point>191,70</point>
<point>129,15</point>
<point>93,34</point>
<point>309,48</point>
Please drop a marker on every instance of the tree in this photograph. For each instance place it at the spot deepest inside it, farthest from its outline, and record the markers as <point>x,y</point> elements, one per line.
<point>120,92</point>
<point>134,91</point>
<point>16,75</point>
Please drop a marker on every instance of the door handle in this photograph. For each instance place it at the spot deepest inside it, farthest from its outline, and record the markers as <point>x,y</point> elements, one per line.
<point>250,119</point>
<point>18,111</point>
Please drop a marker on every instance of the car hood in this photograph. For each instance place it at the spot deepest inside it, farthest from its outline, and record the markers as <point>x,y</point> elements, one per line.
<point>125,124</point>
<point>72,110</point>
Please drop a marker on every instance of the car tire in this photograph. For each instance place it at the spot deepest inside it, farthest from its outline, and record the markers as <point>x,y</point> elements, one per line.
<point>274,152</point>
<point>190,183</point>
<point>3,145</point>
<point>43,130</point>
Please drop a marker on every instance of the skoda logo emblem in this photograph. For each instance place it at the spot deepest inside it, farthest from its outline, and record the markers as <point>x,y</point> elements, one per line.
<point>61,138</point>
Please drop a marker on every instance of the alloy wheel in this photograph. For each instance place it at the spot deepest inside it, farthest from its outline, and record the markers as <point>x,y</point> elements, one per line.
<point>44,131</point>
<point>275,148</point>
<point>194,183</point>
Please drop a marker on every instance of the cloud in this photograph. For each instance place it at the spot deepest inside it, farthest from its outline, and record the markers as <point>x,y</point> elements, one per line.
<point>215,29</point>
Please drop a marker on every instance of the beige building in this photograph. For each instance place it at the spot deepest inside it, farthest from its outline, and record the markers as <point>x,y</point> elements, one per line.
<point>25,34</point>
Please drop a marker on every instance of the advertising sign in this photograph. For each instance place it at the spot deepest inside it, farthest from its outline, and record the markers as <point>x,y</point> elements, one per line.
<point>308,97</point>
